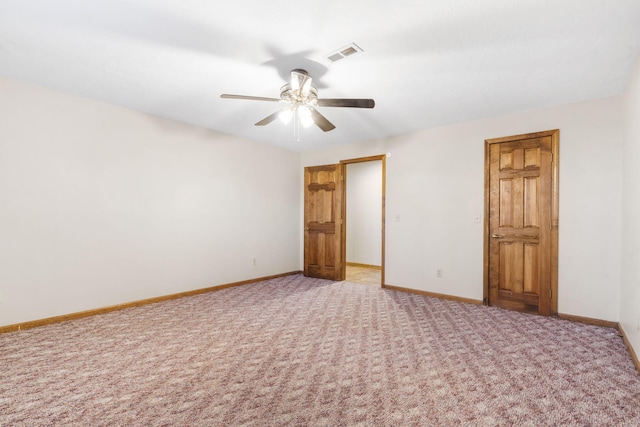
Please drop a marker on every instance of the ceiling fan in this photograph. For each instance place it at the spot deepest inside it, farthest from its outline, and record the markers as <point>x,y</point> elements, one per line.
<point>301,100</point>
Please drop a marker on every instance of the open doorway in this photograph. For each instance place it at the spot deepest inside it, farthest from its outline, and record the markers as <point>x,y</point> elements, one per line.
<point>364,220</point>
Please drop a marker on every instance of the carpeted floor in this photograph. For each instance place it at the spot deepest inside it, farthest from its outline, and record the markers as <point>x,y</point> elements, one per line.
<point>307,352</point>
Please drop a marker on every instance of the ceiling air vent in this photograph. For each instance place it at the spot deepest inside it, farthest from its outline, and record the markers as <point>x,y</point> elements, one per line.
<point>344,52</point>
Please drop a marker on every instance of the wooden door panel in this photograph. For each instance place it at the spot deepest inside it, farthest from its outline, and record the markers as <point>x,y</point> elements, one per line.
<point>532,157</point>
<point>530,199</point>
<point>520,235</point>
<point>312,254</point>
<point>531,274</point>
<point>323,222</point>
<point>506,205</point>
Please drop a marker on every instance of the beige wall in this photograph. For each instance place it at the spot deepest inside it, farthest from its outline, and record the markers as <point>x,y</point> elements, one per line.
<point>435,184</point>
<point>630,289</point>
<point>102,205</point>
<point>364,212</point>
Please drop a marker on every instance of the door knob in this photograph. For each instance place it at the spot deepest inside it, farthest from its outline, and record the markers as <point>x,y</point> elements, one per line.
<point>497,236</point>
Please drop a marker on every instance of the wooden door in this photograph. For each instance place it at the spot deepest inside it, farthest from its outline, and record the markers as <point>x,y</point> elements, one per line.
<point>521,222</point>
<point>323,222</point>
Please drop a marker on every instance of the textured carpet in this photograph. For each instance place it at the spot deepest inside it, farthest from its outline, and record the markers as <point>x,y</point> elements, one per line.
<point>299,351</point>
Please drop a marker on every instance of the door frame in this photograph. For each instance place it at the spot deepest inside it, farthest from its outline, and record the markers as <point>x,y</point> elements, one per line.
<point>555,199</point>
<point>383,158</point>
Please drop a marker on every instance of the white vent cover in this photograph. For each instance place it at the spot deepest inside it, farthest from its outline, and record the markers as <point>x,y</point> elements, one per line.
<point>344,52</point>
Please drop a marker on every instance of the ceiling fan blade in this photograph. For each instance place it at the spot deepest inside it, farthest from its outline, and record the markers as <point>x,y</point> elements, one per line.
<point>269,118</point>
<point>321,121</point>
<point>300,82</point>
<point>353,103</point>
<point>253,98</point>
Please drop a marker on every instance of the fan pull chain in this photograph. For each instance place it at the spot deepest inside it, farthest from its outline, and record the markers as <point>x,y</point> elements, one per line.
<point>296,125</point>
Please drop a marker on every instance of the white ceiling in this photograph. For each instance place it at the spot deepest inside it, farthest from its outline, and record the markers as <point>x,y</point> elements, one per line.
<point>426,63</point>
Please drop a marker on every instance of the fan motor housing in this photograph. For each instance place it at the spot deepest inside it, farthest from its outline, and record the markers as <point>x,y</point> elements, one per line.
<point>289,95</point>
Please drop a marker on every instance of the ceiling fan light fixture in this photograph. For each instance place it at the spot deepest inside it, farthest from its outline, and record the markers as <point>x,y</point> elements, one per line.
<point>304,114</point>
<point>286,115</point>
<point>300,83</point>
<point>302,102</point>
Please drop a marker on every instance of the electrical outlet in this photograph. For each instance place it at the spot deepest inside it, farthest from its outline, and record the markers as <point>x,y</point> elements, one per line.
<point>439,272</point>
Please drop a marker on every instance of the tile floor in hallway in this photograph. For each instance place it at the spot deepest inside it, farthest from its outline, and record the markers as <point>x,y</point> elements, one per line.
<point>363,275</point>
